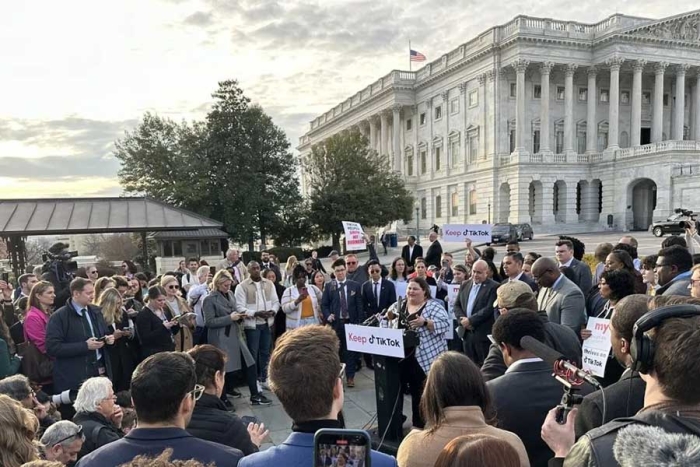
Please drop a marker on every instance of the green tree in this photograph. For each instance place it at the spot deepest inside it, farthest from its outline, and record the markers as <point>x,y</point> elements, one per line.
<point>351,182</point>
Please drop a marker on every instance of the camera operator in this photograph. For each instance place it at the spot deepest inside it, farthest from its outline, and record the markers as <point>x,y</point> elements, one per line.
<point>59,270</point>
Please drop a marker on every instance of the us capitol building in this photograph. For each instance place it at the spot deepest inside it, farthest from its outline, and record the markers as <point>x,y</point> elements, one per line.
<point>560,124</point>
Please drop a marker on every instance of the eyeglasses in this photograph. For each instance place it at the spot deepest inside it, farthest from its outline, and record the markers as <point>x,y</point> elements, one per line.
<point>694,281</point>
<point>78,433</point>
<point>113,398</point>
<point>351,262</point>
<point>197,391</point>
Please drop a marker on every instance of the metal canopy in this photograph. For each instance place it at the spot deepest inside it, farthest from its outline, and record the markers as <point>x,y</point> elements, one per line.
<point>65,216</point>
<point>200,234</point>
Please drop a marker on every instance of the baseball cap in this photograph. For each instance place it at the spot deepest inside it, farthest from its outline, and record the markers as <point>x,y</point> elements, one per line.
<point>510,292</point>
<point>334,252</point>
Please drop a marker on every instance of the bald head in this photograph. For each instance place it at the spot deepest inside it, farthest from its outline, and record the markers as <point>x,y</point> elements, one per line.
<point>432,237</point>
<point>629,240</point>
<point>480,271</point>
<point>545,271</point>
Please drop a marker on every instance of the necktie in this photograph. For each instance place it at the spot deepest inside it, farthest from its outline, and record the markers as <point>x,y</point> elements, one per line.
<point>376,294</point>
<point>88,329</point>
<point>343,302</point>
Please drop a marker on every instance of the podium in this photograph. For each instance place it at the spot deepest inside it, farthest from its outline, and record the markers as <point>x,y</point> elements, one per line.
<point>388,347</point>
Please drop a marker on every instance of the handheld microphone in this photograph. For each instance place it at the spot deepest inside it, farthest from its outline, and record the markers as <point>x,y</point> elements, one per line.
<point>573,374</point>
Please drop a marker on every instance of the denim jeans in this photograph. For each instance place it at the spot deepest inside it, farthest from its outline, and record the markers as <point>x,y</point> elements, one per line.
<point>259,342</point>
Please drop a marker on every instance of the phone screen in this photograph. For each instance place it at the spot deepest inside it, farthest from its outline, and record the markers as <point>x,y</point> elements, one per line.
<point>212,270</point>
<point>341,448</point>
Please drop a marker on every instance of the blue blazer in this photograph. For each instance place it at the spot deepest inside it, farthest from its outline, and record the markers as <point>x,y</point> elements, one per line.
<point>298,451</point>
<point>330,301</point>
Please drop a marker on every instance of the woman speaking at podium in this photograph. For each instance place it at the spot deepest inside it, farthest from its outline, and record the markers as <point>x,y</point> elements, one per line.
<point>429,319</point>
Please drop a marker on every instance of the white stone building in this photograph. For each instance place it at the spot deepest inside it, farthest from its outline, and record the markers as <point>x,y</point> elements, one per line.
<point>556,123</point>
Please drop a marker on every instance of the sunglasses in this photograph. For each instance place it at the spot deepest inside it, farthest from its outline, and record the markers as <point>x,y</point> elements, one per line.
<point>197,391</point>
<point>351,262</point>
<point>78,433</point>
<point>173,286</point>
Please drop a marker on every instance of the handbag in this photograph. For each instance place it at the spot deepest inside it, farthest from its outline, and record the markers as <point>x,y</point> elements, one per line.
<point>35,365</point>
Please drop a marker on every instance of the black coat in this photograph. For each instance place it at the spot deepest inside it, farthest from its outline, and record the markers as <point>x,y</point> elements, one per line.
<point>330,302</point>
<point>273,267</point>
<point>66,342</point>
<point>97,430</point>
<point>524,278</point>
<point>482,317</point>
<point>411,259</point>
<point>317,265</point>
<point>560,338</point>
<point>434,254</point>
<point>622,399</point>
<point>153,336</point>
<point>123,356</point>
<point>387,296</point>
<point>213,422</point>
<point>522,398</point>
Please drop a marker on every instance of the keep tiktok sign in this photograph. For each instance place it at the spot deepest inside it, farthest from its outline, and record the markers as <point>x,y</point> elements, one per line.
<point>375,341</point>
<point>478,233</point>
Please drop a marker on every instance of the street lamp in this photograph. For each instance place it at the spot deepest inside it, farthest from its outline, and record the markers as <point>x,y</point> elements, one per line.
<point>417,222</point>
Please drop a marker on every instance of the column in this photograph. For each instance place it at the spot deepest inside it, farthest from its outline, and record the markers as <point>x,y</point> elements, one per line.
<point>657,129</point>
<point>696,106</point>
<point>396,133</point>
<point>547,206</point>
<point>679,110</point>
<point>638,67</point>
<point>569,109</point>
<point>373,132</point>
<point>483,141</point>
<point>446,138</point>
<point>614,120</point>
<point>464,143</point>
<point>591,126</point>
<point>545,71</point>
<point>520,125</point>
<point>384,127</point>
<point>416,151</point>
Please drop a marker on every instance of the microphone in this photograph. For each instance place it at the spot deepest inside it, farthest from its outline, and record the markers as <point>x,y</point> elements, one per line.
<point>558,361</point>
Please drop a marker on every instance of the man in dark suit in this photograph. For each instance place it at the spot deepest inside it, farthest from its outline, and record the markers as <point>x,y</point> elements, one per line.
<point>581,272</point>
<point>265,263</point>
<point>474,311</point>
<point>512,267</point>
<point>626,397</point>
<point>377,294</point>
<point>341,304</point>
<point>434,253</point>
<point>527,391</point>
<point>410,252</point>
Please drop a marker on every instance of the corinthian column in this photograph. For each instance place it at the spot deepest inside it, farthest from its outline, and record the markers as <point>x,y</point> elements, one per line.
<point>658,115</point>
<point>614,120</point>
<point>569,109</point>
<point>396,133</point>
<point>591,127</point>
<point>373,132</point>
<point>679,111</point>
<point>383,133</point>
<point>697,107</point>
<point>520,69</point>
<point>545,71</point>
<point>638,67</point>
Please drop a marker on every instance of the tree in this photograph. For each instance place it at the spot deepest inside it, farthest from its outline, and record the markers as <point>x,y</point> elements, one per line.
<point>351,182</point>
<point>36,247</point>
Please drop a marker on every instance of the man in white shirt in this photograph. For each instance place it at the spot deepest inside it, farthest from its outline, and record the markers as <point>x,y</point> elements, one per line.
<point>189,279</point>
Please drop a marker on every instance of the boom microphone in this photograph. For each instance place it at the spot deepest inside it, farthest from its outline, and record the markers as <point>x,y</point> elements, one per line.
<point>557,360</point>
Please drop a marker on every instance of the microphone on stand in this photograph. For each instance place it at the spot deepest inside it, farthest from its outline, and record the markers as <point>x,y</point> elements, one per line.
<point>562,368</point>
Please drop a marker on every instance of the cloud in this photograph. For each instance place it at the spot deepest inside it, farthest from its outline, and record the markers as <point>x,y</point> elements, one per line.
<point>199,18</point>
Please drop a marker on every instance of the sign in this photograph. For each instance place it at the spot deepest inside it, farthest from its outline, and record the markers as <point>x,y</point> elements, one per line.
<point>596,348</point>
<point>433,291</point>
<point>354,236</point>
<point>478,233</point>
<point>452,292</point>
<point>401,289</point>
<point>375,341</point>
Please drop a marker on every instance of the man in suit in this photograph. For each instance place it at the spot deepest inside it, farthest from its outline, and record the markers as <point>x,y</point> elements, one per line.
<point>265,263</point>
<point>512,267</point>
<point>625,397</point>
<point>559,297</point>
<point>527,391</point>
<point>164,394</point>
<point>410,252</point>
<point>309,350</point>
<point>517,294</point>
<point>341,304</point>
<point>474,311</point>
<point>434,253</point>
<point>377,294</point>
<point>581,272</point>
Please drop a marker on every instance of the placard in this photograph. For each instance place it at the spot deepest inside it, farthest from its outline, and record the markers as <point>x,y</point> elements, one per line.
<point>433,291</point>
<point>596,348</point>
<point>354,236</point>
<point>478,233</point>
<point>375,341</point>
<point>452,293</point>
<point>401,289</point>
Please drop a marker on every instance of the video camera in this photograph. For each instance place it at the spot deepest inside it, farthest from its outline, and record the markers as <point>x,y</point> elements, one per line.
<point>685,212</point>
<point>58,267</point>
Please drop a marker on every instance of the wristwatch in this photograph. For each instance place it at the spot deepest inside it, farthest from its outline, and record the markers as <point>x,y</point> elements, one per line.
<point>425,323</point>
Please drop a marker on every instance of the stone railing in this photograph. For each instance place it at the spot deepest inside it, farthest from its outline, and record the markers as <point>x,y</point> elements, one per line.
<point>504,159</point>
<point>655,148</point>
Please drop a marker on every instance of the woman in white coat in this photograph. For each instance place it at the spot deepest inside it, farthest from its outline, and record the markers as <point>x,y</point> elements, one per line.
<point>301,302</point>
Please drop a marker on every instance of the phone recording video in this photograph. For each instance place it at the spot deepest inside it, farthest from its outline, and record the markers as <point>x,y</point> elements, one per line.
<point>342,448</point>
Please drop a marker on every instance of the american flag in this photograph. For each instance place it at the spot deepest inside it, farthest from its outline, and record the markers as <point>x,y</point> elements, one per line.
<point>417,56</point>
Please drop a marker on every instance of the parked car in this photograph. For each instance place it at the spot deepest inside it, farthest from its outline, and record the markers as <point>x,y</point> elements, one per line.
<point>524,231</point>
<point>675,224</point>
<point>503,233</point>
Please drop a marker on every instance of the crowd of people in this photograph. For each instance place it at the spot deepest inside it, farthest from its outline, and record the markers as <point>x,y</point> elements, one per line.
<point>133,369</point>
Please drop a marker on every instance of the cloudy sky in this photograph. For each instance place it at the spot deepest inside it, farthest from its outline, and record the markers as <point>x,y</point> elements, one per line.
<point>74,75</point>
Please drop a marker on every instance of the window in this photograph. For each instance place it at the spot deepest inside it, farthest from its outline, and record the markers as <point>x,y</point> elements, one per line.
<point>604,95</point>
<point>454,106</point>
<point>423,208</point>
<point>582,94</point>
<point>537,91</point>
<point>438,157</point>
<point>473,140</point>
<point>511,140</point>
<point>454,203</point>
<point>422,118</point>
<point>423,163</point>
<point>646,98</point>
<point>438,206</point>
<point>513,89</point>
<point>438,112</point>
<point>473,98</point>
<point>536,141</point>
<point>624,97</point>
<point>665,100</point>
<point>409,124</point>
<point>472,202</point>
<point>561,92</point>
<point>454,153</point>
<point>409,165</point>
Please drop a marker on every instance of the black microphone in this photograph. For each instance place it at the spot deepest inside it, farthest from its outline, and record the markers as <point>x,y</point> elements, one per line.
<point>556,359</point>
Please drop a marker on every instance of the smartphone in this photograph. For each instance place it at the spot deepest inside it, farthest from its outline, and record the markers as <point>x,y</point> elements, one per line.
<point>212,270</point>
<point>353,445</point>
<point>101,339</point>
<point>6,277</point>
<point>305,290</point>
<point>445,263</point>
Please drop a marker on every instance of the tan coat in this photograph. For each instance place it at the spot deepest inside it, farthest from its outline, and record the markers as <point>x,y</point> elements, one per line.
<point>419,449</point>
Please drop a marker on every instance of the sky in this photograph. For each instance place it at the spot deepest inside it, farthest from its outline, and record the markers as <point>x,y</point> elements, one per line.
<point>75,75</point>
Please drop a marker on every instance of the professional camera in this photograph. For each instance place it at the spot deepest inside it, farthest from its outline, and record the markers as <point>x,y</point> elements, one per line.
<point>67,397</point>
<point>58,267</point>
<point>685,212</point>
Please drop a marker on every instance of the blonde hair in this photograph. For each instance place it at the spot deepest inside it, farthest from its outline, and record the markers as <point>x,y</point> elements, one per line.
<point>182,303</point>
<point>19,429</point>
<point>291,262</point>
<point>111,302</point>
<point>102,284</point>
<point>220,277</point>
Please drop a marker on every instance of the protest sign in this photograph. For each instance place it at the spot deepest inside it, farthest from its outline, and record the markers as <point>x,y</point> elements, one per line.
<point>354,236</point>
<point>478,233</point>
<point>597,347</point>
<point>401,289</point>
<point>375,341</point>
